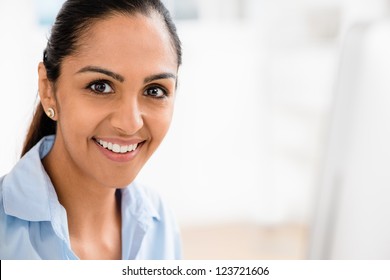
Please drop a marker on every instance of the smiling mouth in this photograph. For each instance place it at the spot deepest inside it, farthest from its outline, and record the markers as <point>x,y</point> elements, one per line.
<point>116,148</point>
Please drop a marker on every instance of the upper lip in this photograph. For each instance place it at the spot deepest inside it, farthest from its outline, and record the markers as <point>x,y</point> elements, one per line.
<point>121,142</point>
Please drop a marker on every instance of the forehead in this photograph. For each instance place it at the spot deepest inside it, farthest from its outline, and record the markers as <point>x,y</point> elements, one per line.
<point>122,42</point>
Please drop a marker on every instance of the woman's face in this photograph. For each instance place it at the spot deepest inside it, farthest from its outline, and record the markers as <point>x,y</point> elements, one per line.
<point>115,97</point>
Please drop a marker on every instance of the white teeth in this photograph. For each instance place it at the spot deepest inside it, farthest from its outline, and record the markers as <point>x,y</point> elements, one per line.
<point>103,143</point>
<point>123,149</point>
<point>132,147</point>
<point>116,148</point>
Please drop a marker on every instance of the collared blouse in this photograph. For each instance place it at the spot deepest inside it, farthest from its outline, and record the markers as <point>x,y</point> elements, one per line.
<point>33,223</point>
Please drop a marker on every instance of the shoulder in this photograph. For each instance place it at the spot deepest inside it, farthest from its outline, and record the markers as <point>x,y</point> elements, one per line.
<point>14,234</point>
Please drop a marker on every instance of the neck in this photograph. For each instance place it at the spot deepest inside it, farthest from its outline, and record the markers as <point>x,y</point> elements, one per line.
<point>93,210</point>
<point>83,199</point>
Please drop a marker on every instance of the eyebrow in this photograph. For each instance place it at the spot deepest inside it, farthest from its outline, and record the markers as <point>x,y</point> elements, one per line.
<point>96,69</point>
<point>121,79</point>
<point>161,76</point>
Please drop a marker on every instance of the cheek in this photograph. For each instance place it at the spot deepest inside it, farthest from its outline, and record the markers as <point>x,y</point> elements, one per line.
<point>76,118</point>
<point>159,124</point>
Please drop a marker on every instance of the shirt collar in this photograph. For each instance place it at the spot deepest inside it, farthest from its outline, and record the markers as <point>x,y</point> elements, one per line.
<point>139,211</point>
<point>138,203</point>
<point>27,190</point>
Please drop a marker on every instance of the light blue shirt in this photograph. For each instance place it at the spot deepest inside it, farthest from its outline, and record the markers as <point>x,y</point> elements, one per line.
<point>33,224</point>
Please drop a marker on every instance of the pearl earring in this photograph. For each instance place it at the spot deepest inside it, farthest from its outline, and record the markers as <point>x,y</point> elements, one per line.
<point>50,113</point>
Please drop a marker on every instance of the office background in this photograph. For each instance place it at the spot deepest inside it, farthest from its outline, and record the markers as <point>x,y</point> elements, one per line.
<point>242,163</point>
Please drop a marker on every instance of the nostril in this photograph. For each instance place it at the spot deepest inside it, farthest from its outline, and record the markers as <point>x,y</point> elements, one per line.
<point>127,120</point>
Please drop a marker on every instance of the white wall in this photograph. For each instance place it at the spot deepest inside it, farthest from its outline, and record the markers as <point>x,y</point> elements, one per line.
<point>20,50</point>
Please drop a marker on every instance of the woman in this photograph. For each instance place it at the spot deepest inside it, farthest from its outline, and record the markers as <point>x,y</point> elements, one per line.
<point>107,88</point>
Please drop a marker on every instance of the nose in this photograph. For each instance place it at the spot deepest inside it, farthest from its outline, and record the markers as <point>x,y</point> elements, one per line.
<point>127,118</point>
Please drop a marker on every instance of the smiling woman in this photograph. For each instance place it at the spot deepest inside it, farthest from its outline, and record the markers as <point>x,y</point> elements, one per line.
<point>107,89</point>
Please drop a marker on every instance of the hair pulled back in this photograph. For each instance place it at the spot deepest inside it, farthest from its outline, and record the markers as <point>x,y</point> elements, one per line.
<point>73,21</point>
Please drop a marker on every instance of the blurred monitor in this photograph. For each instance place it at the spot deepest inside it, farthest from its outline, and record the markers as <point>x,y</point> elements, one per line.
<point>352,219</point>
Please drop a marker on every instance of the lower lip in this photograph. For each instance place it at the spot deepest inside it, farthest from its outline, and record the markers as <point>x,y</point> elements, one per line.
<point>118,157</point>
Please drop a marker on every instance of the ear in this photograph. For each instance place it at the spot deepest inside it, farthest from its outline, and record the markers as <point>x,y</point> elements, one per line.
<point>46,91</point>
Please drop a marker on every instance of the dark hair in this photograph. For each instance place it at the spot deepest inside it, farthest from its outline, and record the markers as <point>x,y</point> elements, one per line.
<point>72,22</point>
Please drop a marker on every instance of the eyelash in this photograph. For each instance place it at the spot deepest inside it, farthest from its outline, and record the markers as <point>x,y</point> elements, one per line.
<point>165,92</point>
<point>94,83</point>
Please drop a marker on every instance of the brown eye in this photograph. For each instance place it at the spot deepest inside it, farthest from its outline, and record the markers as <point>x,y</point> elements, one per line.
<point>155,92</point>
<point>101,88</point>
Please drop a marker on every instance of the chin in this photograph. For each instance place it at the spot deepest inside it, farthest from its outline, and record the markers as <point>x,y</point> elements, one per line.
<point>119,184</point>
<point>123,186</point>
<point>113,180</point>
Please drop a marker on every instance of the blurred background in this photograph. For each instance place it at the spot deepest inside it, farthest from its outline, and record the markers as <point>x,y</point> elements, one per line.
<point>278,149</point>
